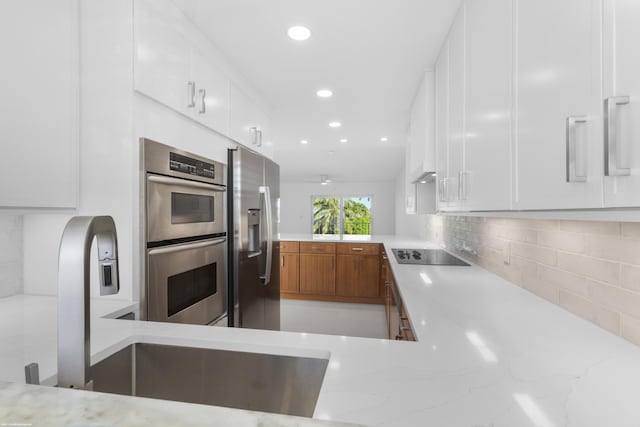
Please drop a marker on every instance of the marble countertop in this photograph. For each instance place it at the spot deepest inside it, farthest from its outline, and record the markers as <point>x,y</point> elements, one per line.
<point>488,354</point>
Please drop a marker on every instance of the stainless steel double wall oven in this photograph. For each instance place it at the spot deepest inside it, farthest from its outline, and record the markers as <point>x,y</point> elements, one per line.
<point>185,210</point>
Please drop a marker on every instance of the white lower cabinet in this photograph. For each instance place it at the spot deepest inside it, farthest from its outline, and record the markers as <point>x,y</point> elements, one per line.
<point>622,102</point>
<point>558,147</point>
<point>39,84</point>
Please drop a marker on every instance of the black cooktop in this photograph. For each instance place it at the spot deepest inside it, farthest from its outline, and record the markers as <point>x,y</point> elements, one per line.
<point>426,257</point>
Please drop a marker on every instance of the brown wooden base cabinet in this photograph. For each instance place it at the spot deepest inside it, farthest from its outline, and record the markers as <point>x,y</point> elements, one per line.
<point>328,271</point>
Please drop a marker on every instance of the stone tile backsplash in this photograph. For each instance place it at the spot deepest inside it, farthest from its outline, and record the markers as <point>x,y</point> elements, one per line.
<point>11,256</point>
<point>589,268</point>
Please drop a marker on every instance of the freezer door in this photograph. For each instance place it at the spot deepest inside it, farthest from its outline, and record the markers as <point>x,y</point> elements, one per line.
<point>272,289</point>
<point>256,290</point>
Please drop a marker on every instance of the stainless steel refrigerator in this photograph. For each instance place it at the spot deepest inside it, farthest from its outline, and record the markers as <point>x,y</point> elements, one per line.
<point>253,189</point>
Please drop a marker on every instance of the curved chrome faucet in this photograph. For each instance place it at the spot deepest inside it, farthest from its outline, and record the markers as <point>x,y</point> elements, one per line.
<point>74,326</point>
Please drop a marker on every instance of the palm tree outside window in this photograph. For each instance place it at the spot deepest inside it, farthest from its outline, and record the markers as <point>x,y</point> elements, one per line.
<point>341,215</point>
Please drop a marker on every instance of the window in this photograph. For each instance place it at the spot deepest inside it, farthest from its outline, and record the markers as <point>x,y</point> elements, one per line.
<point>341,215</point>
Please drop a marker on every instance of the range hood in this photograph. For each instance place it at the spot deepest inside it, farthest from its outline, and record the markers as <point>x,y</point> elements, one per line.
<point>425,178</point>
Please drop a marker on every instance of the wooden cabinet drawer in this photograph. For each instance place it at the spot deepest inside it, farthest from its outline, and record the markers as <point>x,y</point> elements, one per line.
<point>358,248</point>
<point>317,248</point>
<point>289,247</point>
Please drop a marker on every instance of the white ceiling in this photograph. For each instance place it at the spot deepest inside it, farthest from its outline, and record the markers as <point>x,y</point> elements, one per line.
<point>371,53</point>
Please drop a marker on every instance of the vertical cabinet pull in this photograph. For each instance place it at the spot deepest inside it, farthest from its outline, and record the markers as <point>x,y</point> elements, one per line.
<point>444,189</point>
<point>611,137</point>
<point>259,138</point>
<point>203,106</point>
<point>191,94</point>
<point>462,185</point>
<point>254,130</point>
<point>572,175</point>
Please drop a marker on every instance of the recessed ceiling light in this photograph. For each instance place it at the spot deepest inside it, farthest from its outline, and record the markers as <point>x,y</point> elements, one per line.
<point>324,93</point>
<point>304,142</point>
<point>299,33</point>
<point>335,124</point>
<point>344,140</point>
<point>384,139</point>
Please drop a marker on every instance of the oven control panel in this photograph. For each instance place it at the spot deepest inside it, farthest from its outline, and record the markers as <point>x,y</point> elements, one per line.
<point>191,166</point>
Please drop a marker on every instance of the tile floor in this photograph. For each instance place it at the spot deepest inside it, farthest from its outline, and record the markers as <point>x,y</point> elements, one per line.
<point>333,318</point>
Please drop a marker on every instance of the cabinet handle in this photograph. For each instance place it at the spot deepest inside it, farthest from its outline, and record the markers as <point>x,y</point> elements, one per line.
<point>444,196</point>
<point>259,138</point>
<point>357,249</point>
<point>462,185</point>
<point>203,105</point>
<point>610,136</point>
<point>282,261</point>
<point>255,135</point>
<point>191,94</point>
<point>572,176</point>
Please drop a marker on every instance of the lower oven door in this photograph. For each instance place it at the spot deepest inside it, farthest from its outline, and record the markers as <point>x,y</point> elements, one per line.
<point>186,282</point>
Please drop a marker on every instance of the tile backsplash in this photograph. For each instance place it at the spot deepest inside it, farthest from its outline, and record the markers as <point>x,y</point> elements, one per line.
<point>11,257</point>
<point>589,268</point>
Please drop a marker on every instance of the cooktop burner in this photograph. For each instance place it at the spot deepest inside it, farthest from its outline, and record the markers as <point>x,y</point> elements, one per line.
<point>426,257</point>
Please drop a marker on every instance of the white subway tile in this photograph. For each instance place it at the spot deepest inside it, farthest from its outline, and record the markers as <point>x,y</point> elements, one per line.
<point>571,282</point>
<point>596,269</point>
<point>614,248</point>
<point>533,252</point>
<point>568,242</point>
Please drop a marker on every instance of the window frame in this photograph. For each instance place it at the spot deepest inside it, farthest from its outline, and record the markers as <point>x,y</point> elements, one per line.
<point>341,198</point>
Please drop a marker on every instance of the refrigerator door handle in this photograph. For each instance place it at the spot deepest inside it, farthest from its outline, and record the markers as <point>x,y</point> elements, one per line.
<point>266,277</point>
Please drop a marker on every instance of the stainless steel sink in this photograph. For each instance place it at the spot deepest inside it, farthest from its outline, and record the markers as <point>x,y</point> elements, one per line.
<point>261,382</point>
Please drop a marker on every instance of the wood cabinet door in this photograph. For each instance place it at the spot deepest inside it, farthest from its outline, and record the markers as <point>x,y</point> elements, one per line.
<point>347,275</point>
<point>289,273</point>
<point>369,276</point>
<point>317,274</point>
<point>358,276</point>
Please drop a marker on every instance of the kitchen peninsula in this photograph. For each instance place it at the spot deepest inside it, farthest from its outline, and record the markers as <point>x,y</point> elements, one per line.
<point>487,354</point>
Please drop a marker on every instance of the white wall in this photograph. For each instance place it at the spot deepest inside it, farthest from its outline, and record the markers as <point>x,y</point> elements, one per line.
<point>11,282</point>
<point>295,203</point>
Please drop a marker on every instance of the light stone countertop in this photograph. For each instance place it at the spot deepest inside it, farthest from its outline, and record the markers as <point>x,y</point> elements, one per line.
<point>489,354</point>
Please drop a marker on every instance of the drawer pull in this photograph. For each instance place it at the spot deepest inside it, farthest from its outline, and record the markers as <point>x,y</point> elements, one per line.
<point>357,249</point>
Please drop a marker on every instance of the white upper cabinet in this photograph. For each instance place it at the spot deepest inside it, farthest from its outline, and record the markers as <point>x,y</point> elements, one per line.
<point>421,138</point>
<point>622,102</point>
<point>486,178</point>
<point>442,126</point>
<point>248,124</point>
<point>170,67</point>
<point>455,124</point>
<point>39,103</point>
<point>558,147</point>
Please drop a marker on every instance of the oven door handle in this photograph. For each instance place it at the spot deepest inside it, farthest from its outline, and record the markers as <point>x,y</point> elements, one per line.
<point>186,246</point>
<point>184,183</point>
<point>266,277</point>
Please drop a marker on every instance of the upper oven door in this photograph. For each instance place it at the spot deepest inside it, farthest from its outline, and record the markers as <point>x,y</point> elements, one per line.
<point>179,208</point>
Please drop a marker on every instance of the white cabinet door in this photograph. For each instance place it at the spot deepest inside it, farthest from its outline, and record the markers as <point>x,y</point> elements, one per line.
<point>622,90</point>
<point>456,136</point>
<point>162,65</point>
<point>247,123</point>
<point>486,182</point>
<point>39,103</point>
<point>171,69</point>
<point>212,94</point>
<point>557,77</point>
<point>442,126</point>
